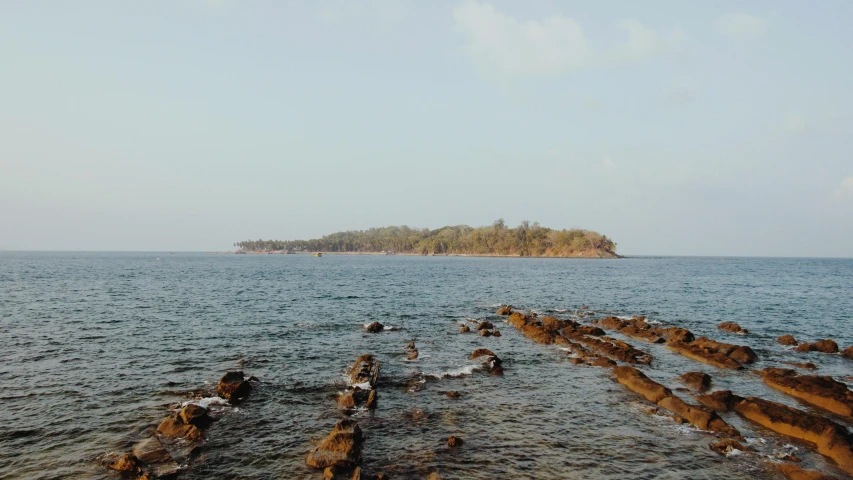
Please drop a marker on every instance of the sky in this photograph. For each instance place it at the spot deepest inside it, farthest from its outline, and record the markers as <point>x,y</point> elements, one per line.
<point>672,127</point>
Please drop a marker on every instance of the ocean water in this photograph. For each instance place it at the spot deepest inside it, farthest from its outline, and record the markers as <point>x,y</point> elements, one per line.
<point>97,346</point>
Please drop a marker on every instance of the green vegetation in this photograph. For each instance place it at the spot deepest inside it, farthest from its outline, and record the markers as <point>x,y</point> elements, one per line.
<point>527,239</point>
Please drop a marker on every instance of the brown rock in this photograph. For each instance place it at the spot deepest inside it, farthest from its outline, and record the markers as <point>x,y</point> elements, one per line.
<point>848,352</point>
<point>825,346</point>
<point>743,354</point>
<point>485,325</point>
<point>233,386</point>
<point>496,333</point>
<point>346,399</point>
<point>481,352</point>
<point>485,333</point>
<point>832,439</point>
<point>464,329</point>
<point>697,380</point>
<point>603,362</point>
<point>823,392</point>
<point>794,472</point>
<point>727,445</point>
<point>505,310</point>
<point>640,383</point>
<point>721,400</point>
<point>196,415</point>
<point>704,353</point>
<point>732,327</point>
<point>125,463</point>
<point>454,442</point>
<point>375,327</point>
<point>787,340</point>
<point>341,448</point>
<point>806,365</point>
<point>614,349</point>
<point>155,457</point>
<point>434,476</point>
<point>174,427</point>
<point>372,398</point>
<point>365,370</point>
<point>410,346</point>
<point>452,394</point>
<point>413,354</point>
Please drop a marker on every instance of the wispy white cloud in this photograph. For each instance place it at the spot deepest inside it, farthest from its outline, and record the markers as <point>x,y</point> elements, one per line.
<point>502,44</point>
<point>741,26</point>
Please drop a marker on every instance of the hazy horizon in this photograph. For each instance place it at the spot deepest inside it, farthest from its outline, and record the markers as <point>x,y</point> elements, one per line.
<point>674,128</point>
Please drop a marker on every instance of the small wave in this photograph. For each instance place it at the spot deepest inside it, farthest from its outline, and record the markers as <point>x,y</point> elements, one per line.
<point>459,372</point>
<point>390,328</point>
<point>363,386</point>
<point>560,310</point>
<point>206,402</point>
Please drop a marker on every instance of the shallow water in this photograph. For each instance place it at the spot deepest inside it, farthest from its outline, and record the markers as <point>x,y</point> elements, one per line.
<point>97,345</point>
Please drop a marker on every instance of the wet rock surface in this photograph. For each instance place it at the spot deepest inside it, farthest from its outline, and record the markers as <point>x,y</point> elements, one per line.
<point>733,328</point>
<point>341,449</point>
<point>787,340</point>
<point>824,346</point>
<point>793,472</point>
<point>374,327</point>
<point>697,380</point>
<point>233,386</point>
<point>821,391</point>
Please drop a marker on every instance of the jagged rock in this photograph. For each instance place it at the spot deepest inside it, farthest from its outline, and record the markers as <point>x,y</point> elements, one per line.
<point>375,327</point>
<point>787,340</point>
<point>825,346</point>
<point>174,427</point>
<point>364,370</point>
<point>464,329</point>
<point>793,472</point>
<point>832,439</point>
<point>485,325</point>
<point>698,380</point>
<point>823,392</point>
<point>197,415</point>
<point>615,349</point>
<point>233,386</point>
<point>727,445</point>
<point>340,449</point>
<point>733,328</point>
<point>454,441</point>
<point>505,310</point>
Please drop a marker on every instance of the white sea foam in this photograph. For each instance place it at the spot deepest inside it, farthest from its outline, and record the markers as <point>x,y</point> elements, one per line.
<point>363,386</point>
<point>390,328</point>
<point>206,402</point>
<point>734,453</point>
<point>458,372</point>
<point>561,310</point>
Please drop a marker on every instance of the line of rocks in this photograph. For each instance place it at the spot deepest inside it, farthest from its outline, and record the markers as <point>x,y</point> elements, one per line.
<point>178,436</point>
<point>826,345</point>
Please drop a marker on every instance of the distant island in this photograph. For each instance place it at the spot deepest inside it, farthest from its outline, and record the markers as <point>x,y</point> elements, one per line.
<point>526,240</point>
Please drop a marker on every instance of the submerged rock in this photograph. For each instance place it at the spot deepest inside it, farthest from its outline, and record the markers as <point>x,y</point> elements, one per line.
<point>505,310</point>
<point>794,472</point>
<point>720,401</point>
<point>485,325</point>
<point>824,392</point>
<point>374,327</point>
<point>464,329</point>
<point>452,394</point>
<point>727,446</point>
<point>825,346</point>
<point>340,449</point>
<point>125,463</point>
<point>805,365</point>
<point>233,386</point>
<point>496,333</point>
<point>485,333</point>
<point>412,354</point>
<point>787,340</point>
<point>156,459</point>
<point>848,352</point>
<point>733,328</point>
<point>454,441</point>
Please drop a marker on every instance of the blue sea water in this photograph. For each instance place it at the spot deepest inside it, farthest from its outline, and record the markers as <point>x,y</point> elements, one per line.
<point>97,346</point>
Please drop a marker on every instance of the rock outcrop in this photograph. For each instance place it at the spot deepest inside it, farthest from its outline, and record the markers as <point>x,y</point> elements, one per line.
<point>656,393</point>
<point>233,386</point>
<point>733,328</point>
<point>788,340</point>
<point>340,449</point>
<point>793,472</point>
<point>697,380</point>
<point>718,354</point>
<point>374,327</point>
<point>825,346</point>
<point>823,392</point>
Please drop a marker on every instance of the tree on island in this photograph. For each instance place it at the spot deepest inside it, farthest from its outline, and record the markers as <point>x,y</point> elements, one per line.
<point>527,240</point>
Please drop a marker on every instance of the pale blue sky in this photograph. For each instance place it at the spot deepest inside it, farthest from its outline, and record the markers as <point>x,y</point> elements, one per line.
<point>684,128</point>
